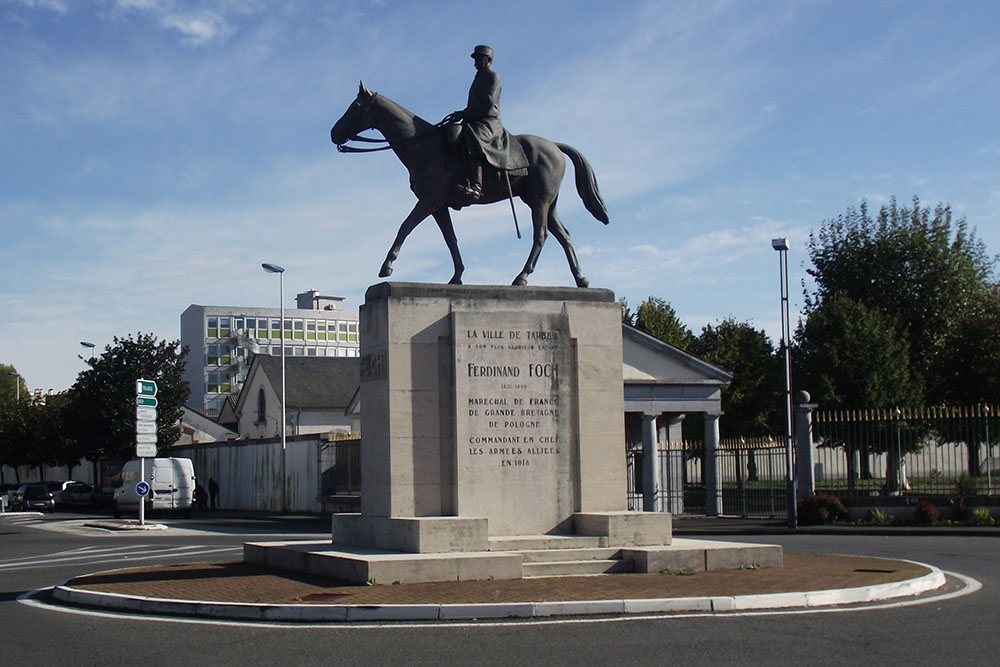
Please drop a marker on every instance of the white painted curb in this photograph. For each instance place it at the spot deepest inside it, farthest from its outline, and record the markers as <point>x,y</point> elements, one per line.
<point>429,612</point>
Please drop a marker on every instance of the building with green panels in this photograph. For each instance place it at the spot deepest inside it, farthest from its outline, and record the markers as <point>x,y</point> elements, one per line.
<point>224,339</point>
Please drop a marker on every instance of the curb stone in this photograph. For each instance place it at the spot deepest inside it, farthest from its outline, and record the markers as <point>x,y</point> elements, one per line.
<point>244,611</point>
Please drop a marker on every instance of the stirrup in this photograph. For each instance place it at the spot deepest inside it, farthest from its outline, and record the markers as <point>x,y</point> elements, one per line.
<point>471,190</point>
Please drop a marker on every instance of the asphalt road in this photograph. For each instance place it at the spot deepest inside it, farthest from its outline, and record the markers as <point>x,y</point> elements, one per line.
<point>37,553</point>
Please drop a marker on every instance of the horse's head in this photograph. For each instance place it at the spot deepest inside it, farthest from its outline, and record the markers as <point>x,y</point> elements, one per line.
<point>356,119</point>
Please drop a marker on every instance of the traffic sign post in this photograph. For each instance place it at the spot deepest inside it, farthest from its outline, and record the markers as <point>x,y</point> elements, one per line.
<point>145,436</point>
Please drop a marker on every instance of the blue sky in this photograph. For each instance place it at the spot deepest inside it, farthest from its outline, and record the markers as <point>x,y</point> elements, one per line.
<point>155,152</point>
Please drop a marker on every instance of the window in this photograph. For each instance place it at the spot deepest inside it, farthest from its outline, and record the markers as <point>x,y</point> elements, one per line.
<point>352,327</point>
<point>310,329</point>
<point>261,407</point>
<point>275,327</point>
<point>311,351</point>
<point>218,355</point>
<point>298,325</point>
<point>213,327</point>
<point>342,332</point>
<point>288,329</point>
<point>224,327</point>
<point>219,382</point>
<point>238,325</point>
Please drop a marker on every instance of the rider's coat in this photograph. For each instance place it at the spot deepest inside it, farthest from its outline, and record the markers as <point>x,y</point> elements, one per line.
<point>484,135</point>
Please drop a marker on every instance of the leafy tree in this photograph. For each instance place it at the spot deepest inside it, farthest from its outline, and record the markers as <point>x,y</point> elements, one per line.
<point>11,385</point>
<point>849,355</point>
<point>101,405</point>
<point>916,266</point>
<point>970,365</point>
<point>752,402</point>
<point>656,317</point>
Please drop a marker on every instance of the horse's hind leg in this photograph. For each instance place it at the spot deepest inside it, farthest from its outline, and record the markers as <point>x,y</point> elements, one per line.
<point>420,211</point>
<point>539,212</point>
<point>562,235</point>
<point>443,219</point>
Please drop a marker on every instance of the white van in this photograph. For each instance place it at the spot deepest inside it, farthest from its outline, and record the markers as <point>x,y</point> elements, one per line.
<point>171,486</point>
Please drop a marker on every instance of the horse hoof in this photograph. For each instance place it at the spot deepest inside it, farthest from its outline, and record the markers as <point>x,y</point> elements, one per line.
<point>385,272</point>
<point>582,282</point>
<point>455,281</point>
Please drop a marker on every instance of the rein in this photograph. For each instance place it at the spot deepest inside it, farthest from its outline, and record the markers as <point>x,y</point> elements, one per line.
<point>344,148</point>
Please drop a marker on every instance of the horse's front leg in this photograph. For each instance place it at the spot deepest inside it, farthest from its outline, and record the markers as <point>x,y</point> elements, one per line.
<point>443,219</point>
<point>539,215</point>
<point>420,211</point>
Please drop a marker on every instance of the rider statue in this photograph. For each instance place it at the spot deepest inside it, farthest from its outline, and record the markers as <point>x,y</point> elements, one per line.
<point>484,138</point>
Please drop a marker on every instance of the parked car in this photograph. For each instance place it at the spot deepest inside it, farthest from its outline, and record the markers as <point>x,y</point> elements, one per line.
<point>57,488</point>
<point>37,497</point>
<point>77,494</point>
<point>17,497</point>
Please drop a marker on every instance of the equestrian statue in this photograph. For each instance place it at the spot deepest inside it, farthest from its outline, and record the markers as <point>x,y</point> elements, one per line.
<point>469,158</point>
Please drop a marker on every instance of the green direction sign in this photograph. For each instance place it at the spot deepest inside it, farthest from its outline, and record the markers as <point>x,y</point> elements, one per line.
<point>146,401</point>
<point>145,388</point>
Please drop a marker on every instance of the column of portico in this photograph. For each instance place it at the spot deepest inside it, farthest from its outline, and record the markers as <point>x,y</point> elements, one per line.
<point>671,437</point>
<point>710,468</point>
<point>650,464</point>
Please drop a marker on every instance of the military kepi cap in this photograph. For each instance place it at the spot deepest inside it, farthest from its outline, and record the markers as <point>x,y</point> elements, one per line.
<point>483,50</point>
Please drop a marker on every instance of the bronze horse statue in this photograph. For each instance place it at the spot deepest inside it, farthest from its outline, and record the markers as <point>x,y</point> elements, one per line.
<point>425,151</point>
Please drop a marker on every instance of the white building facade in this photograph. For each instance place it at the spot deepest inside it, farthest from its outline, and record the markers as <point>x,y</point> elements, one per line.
<point>224,339</point>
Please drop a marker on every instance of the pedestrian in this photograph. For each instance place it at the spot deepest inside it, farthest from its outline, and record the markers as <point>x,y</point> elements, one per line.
<point>213,491</point>
<point>199,497</point>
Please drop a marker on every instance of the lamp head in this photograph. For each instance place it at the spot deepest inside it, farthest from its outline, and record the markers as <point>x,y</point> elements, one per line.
<point>779,244</point>
<point>272,268</point>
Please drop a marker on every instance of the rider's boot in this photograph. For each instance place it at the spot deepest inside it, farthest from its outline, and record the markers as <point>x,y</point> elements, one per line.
<point>473,187</point>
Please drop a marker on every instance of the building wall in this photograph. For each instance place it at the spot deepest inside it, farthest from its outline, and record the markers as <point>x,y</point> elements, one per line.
<point>222,343</point>
<point>249,472</point>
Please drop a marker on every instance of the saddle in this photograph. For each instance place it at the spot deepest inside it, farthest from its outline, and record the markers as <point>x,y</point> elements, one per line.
<point>455,155</point>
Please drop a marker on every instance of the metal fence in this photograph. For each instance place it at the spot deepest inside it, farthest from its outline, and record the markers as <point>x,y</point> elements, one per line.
<point>751,477</point>
<point>908,451</point>
<point>341,467</point>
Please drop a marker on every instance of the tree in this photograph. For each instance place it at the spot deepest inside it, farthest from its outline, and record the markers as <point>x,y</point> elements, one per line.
<point>970,364</point>
<point>101,406</point>
<point>12,385</point>
<point>656,317</point>
<point>848,355</point>
<point>851,356</point>
<point>752,402</point>
<point>913,265</point>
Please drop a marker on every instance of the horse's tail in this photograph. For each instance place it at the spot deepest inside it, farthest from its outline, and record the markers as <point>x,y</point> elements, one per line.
<point>586,183</point>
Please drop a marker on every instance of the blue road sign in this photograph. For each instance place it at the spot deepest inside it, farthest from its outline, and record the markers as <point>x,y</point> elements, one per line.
<point>141,489</point>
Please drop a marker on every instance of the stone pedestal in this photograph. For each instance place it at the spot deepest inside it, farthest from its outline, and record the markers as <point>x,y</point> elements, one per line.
<point>490,411</point>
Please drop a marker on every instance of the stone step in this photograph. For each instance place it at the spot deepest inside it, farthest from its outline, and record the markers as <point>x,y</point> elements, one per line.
<point>549,555</point>
<point>538,542</point>
<point>576,568</point>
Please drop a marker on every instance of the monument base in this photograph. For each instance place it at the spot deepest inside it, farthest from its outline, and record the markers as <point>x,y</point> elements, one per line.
<point>493,446</point>
<point>508,558</point>
<point>448,534</point>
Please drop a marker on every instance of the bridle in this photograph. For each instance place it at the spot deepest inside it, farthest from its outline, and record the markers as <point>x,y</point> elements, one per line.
<point>344,148</point>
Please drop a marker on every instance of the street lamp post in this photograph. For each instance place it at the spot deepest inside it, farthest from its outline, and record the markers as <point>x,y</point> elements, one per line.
<point>274,268</point>
<point>17,385</point>
<point>89,345</point>
<point>781,245</point>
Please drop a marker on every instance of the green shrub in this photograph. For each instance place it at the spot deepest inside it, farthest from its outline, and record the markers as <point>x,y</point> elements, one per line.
<point>965,488</point>
<point>876,517</point>
<point>925,513</point>
<point>821,508</point>
<point>981,517</point>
